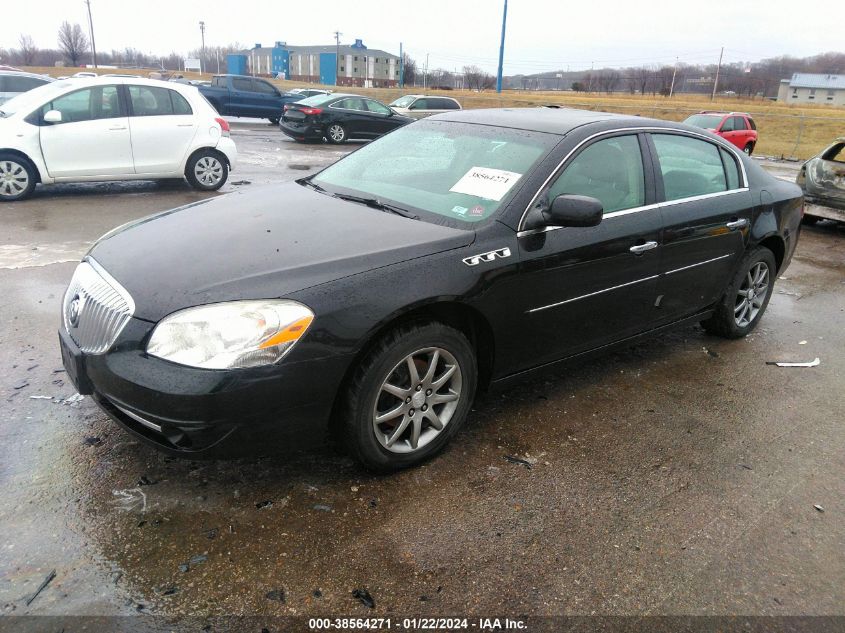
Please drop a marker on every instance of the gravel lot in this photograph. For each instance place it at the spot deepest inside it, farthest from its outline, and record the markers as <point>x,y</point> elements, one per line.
<point>680,476</point>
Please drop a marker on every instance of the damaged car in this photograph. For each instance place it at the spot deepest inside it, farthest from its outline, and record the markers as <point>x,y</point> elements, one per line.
<point>822,179</point>
<point>373,300</point>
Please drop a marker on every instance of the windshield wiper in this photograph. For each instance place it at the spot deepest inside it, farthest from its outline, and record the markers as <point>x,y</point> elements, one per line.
<point>375,203</point>
<point>309,183</point>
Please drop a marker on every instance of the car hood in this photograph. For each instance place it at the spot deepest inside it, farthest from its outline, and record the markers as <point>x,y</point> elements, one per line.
<point>267,243</point>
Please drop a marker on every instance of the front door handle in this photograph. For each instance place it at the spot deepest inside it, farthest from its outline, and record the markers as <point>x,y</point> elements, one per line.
<point>737,224</point>
<point>116,129</point>
<point>639,249</point>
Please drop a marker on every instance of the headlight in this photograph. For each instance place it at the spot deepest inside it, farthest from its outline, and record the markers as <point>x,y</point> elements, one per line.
<point>231,335</point>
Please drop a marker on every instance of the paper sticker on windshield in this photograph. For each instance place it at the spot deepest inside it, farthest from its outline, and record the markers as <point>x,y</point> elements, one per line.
<point>459,210</point>
<point>485,182</point>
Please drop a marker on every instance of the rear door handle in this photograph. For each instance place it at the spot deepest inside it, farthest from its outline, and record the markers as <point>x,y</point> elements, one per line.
<point>184,125</point>
<point>116,129</point>
<point>639,249</point>
<point>737,224</point>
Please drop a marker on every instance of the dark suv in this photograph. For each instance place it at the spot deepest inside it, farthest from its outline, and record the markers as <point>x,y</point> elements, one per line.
<point>737,127</point>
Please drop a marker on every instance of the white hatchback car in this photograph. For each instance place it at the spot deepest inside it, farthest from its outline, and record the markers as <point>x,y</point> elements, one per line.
<point>113,128</point>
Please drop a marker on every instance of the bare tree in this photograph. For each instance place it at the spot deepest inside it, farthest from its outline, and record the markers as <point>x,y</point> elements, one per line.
<point>473,77</point>
<point>27,50</point>
<point>72,42</point>
<point>608,80</point>
<point>409,69</point>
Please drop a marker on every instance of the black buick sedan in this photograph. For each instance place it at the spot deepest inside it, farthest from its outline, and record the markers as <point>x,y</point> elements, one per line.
<point>374,299</point>
<point>339,118</point>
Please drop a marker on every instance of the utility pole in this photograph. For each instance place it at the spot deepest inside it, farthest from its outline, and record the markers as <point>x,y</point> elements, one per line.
<point>425,74</point>
<point>337,35</point>
<point>674,72</point>
<point>716,80</point>
<point>401,66</point>
<point>590,84</point>
<point>91,32</point>
<point>202,33</point>
<point>502,49</point>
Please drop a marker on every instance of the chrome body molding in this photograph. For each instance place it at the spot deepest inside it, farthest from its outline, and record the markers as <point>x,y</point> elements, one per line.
<point>706,261</point>
<point>592,294</point>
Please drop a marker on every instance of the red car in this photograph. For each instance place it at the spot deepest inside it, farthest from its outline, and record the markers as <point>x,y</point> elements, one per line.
<point>737,127</point>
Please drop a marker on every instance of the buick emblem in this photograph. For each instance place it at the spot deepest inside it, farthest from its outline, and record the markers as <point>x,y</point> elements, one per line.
<point>73,310</point>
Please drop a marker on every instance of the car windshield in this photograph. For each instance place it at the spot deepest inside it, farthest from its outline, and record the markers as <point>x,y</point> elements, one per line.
<point>403,102</point>
<point>316,100</point>
<point>707,121</point>
<point>28,101</point>
<point>447,172</point>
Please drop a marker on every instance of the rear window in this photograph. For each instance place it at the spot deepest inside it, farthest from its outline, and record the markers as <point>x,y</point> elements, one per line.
<point>316,100</point>
<point>751,123</point>
<point>706,121</point>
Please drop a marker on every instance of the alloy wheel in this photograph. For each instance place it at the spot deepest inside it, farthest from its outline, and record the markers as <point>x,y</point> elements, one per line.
<point>417,400</point>
<point>13,178</point>
<point>337,133</point>
<point>752,294</point>
<point>208,170</point>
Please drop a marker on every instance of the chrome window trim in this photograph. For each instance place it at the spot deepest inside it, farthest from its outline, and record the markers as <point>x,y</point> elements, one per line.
<point>614,214</point>
<point>706,261</point>
<point>592,294</point>
<point>635,130</point>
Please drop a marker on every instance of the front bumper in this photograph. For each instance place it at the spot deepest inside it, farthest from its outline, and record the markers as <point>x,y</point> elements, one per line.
<point>199,412</point>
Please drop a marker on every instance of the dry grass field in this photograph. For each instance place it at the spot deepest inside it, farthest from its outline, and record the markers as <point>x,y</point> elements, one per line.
<point>785,130</point>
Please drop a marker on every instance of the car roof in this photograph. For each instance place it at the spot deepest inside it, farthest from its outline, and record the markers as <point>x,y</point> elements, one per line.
<point>558,120</point>
<point>21,73</point>
<point>724,113</point>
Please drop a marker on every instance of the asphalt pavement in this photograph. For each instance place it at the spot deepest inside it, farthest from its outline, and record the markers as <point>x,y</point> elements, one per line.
<point>682,475</point>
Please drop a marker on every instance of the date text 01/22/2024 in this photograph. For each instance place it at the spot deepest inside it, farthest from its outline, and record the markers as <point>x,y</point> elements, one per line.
<point>414,624</point>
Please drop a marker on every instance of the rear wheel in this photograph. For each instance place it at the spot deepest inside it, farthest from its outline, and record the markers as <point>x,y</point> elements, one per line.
<point>336,133</point>
<point>409,396</point>
<point>748,149</point>
<point>17,177</point>
<point>274,120</point>
<point>207,170</point>
<point>747,296</point>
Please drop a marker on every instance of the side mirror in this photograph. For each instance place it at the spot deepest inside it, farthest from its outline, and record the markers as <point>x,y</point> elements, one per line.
<point>572,210</point>
<point>53,116</point>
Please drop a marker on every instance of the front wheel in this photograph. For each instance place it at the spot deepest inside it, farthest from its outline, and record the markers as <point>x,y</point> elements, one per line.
<point>336,133</point>
<point>207,170</point>
<point>747,296</point>
<point>274,120</point>
<point>17,178</point>
<point>409,396</point>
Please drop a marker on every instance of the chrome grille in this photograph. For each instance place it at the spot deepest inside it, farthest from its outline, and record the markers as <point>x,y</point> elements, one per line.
<point>95,308</point>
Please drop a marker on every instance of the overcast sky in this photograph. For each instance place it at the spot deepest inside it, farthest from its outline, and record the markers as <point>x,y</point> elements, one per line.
<point>542,35</point>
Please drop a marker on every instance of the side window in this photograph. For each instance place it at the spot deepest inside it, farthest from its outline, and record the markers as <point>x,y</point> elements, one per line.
<point>835,153</point>
<point>731,169</point>
<point>89,104</point>
<point>241,83</point>
<point>375,106</point>
<point>449,104</point>
<point>610,170</point>
<point>728,125</point>
<point>739,123</point>
<point>350,104</point>
<point>150,101</point>
<point>690,167</point>
<point>420,104</point>
<point>180,104</point>
<point>22,84</point>
<point>263,87</point>
<point>218,82</point>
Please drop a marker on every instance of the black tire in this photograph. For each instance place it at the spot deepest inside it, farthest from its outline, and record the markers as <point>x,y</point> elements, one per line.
<point>17,177</point>
<point>274,120</point>
<point>809,220</point>
<point>725,321</point>
<point>207,170</point>
<point>364,394</point>
<point>336,133</point>
<point>748,149</point>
